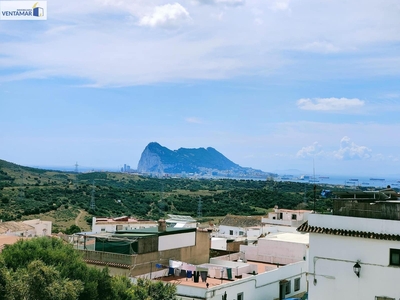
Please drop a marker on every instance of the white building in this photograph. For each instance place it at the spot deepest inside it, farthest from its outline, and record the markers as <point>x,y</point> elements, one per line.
<point>240,226</point>
<point>286,217</point>
<point>42,228</point>
<point>274,268</point>
<point>29,228</point>
<point>340,244</point>
<point>178,221</point>
<point>278,248</point>
<point>102,224</point>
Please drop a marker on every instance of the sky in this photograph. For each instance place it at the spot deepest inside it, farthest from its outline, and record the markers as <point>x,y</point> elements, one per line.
<point>274,85</point>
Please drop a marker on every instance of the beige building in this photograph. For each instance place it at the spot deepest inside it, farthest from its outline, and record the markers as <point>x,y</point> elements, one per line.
<point>29,228</point>
<point>137,252</point>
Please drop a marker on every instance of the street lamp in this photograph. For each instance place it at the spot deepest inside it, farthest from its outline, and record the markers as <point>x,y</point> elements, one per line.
<point>357,268</point>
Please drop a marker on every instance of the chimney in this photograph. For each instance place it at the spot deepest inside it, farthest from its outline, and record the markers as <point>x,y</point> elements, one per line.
<point>162,226</point>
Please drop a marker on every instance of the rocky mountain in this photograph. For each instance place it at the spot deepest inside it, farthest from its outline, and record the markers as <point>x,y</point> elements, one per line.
<point>157,159</point>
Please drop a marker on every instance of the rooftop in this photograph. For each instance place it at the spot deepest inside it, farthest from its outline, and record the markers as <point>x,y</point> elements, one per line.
<point>241,221</point>
<point>178,218</point>
<point>13,226</point>
<point>352,226</point>
<point>122,220</point>
<point>153,231</point>
<point>288,237</point>
<point>8,240</point>
<point>261,268</point>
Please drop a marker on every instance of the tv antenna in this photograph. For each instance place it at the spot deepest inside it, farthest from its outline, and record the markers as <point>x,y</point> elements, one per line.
<point>92,201</point>
<point>76,167</point>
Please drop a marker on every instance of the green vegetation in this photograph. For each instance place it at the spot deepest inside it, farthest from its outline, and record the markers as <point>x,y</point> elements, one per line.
<point>27,193</point>
<point>48,269</point>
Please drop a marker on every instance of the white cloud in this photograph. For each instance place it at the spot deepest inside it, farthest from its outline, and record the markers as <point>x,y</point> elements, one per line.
<point>194,120</point>
<point>320,47</point>
<point>350,151</point>
<point>391,96</point>
<point>280,5</point>
<point>310,151</point>
<point>102,42</point>
<point>330,104</point>
<point>168,15</point>
<point>222,2</point>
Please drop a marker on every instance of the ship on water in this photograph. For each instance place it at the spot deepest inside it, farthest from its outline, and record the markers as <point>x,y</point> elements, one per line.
<point>377,179</point>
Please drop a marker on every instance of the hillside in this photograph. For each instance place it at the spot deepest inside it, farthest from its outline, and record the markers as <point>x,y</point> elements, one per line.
<point>27,193</point>
<point>201,161</point>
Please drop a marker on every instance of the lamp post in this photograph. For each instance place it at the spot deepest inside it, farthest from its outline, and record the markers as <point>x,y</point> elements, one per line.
<point>357,268</point>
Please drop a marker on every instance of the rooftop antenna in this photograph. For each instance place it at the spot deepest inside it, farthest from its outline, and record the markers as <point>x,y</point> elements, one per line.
<point>92,201</point>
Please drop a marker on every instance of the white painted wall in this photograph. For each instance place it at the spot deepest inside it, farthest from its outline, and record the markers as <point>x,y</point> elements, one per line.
<point>112,227</point>
<point>255,287</point>
<point>174,241</point>
<point>276,251</point>
<point>224,231</point>
<point>332,259</point>
<point>42,228</point>
<point>218,243</point>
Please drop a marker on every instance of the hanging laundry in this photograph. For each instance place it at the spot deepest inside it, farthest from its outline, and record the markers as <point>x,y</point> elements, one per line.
<point>196,276</point>
<point>175,263</point>
<point>189,274</point>
<point>171,271</point>
<point>203,275</point>
<point>159,266</point>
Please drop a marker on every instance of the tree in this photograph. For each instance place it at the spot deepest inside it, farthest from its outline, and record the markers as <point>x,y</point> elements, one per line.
<point>145,289</point>
<point>73,229</point>
<point>49,269</point>
<point>61,258</point>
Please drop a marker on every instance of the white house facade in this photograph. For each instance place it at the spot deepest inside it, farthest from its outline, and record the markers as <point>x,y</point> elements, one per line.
<point>353,258</point>
<point>233,227</point>
<point>102,224</point>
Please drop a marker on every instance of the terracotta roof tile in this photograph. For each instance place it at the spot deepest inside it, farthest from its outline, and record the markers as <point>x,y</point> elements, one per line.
<point>353,233</point>
<point>241,221</point>
<point>104,263</point>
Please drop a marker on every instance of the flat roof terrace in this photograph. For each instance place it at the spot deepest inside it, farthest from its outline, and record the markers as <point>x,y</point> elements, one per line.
<point>180,280</point>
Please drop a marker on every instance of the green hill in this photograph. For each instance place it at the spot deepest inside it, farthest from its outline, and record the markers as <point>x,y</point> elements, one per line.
<point>27,193</point>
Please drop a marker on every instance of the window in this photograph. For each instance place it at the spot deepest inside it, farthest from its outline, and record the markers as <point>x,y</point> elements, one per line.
<point>294,217</point>
<point>230,232</point>
<point>103,229</point>
<point>296,284</point>
<point>240,296</point>
<point>241,233</point>
<point>395,257</point>
<point>288,287</point>
<point>119,227</point>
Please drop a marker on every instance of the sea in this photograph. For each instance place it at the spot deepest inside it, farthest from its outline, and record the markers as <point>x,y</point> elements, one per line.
<point>347,181</point>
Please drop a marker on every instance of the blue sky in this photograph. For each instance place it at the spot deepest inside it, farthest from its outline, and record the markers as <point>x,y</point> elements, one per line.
<point>271,84</point>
